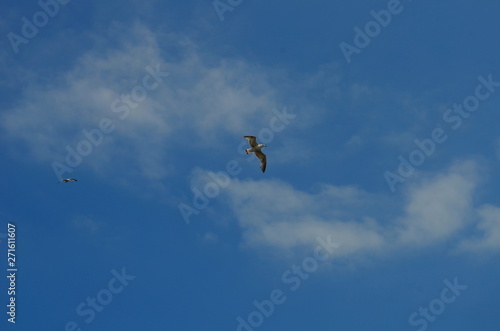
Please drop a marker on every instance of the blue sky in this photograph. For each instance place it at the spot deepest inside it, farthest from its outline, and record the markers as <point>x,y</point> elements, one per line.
<point>379,207</point>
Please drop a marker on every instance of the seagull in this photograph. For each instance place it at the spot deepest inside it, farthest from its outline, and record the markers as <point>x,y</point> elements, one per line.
<point>256,149</point>
<point>65,180</point>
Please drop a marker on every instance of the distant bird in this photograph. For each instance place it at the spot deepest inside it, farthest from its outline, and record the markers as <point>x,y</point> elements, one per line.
<point>256,149</point>
<point>65,180</point>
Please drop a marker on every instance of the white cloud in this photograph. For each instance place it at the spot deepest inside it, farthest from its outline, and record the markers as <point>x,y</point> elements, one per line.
<point>440,206</point>
<point>52,115</point>
<point>438,209</point>
<point>273,213</point>
<point>488,226</point>
<point>202,100</point>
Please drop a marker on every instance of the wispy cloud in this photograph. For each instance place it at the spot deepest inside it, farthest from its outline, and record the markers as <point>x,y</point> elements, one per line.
<point>438,208</point>
<point>199,103</point>
<point>487,234</point>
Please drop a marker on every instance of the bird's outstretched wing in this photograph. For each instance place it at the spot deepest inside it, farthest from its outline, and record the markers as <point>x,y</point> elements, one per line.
<point>65,180</point>
<point>251,140</point>
<point>263,160</point>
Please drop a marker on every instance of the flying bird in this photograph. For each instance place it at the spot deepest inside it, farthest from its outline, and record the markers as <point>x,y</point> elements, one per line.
<point>65,180</point>
<point>256,149</point>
